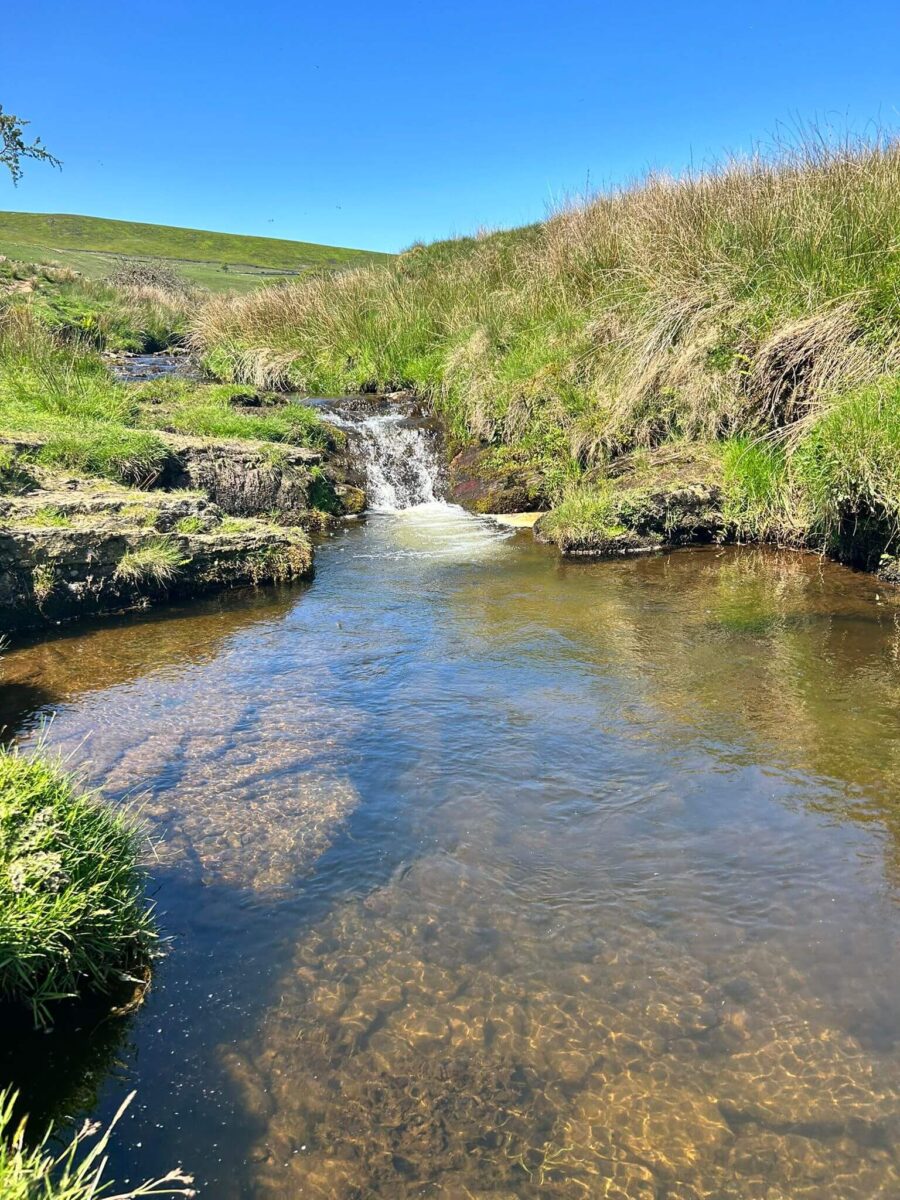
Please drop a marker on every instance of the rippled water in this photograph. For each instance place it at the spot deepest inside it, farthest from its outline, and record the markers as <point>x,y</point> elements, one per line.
<point>492,876</point>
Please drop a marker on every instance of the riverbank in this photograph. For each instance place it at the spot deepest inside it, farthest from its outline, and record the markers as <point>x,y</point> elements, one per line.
<point>73,919</point>
<point>745,316</point>
<point>116,495</point>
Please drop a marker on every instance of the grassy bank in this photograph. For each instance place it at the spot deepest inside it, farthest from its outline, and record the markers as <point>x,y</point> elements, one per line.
<point>115,496</point>
<point>73,919</point>
<point>61,390</point>
<point>754,309</point>
<point>217,261</point>
<point>136,308</point>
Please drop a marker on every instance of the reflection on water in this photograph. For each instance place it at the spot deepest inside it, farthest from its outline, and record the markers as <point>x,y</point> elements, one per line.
<point>494,876</point>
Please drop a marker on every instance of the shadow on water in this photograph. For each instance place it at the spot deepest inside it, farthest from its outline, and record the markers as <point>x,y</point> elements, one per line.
<point>489,875</point>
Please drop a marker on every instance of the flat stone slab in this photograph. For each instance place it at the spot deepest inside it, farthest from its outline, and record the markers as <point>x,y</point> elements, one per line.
<point>522,520</point>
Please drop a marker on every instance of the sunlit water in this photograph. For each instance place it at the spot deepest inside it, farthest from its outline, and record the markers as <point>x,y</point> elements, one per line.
<point>491,876</point>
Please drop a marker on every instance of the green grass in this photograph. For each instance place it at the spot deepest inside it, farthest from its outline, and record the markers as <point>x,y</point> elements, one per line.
<point>74,1171</point>
<point>14,477</point>
<point>756,485</point>
<point>73,920</point>
<point>157,564</point>
<point>218,261</point>
<point>753,306</point>
<point>193,524</point>
<point>129,456</point>
<point>216,411</point>
<point>64,395</point>
<point>112,318</point>
<point>847,465</point>
<point>585,511</point>
<point>49,517</point>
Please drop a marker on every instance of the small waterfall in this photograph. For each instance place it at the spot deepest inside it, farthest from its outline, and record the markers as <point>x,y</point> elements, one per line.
<point>399,457</point>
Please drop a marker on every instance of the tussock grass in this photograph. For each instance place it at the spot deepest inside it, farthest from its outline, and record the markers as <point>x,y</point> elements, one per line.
<point>740,302</point>
<point>584,511</point>
<point>678,307</point>
<point>132,312</point>
<point>758,502</point>
<point>72,914</point>
<point>847,463</point>
<point>74,1172</point>
<point>157,564</point>
<point>130,456</point>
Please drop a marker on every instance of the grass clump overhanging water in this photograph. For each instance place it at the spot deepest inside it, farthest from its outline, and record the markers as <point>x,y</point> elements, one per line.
<point>584,511</point>
<point>157,563</point>
<point>847,466</point>
<point>731,305</point>
<point>757,501</point>
<point>73,919</point>
<point>46,1171</point>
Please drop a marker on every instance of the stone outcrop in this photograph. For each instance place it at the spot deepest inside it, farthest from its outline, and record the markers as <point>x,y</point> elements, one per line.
<point>72,547</point>
<point>255,479</point>
<point>485,479</point>
<point>659,501</point>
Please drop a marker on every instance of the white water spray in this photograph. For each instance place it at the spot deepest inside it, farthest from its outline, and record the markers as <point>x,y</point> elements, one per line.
<point>401,464</point>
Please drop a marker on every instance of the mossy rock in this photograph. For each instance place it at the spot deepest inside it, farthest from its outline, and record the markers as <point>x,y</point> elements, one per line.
<point>485,480</point>
<point>650,502</point>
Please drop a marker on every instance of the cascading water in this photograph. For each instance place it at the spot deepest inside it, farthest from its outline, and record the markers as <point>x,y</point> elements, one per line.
<point>401,464</point>
<point>396,448</point>
<point>399,454</point>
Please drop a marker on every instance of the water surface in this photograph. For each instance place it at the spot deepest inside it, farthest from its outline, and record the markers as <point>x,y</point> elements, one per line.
<point>492,876</point>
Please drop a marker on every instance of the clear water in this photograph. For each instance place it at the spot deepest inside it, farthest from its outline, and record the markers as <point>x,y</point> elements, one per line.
<point>488,875</point>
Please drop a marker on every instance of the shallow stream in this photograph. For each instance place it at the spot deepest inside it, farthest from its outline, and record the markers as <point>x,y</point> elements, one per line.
<point>488,875</point>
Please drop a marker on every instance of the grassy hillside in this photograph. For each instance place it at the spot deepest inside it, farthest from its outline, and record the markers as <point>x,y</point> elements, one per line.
<point>756,306</point>
<point>220,261</point>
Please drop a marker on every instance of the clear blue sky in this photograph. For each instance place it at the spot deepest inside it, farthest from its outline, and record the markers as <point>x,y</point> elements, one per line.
<point>373,124</point>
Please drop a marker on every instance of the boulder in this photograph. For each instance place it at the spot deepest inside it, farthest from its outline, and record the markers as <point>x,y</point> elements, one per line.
<point>484,479</point>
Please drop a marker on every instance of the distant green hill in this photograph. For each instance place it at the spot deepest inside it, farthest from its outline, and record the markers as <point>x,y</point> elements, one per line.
<point>215,260</point>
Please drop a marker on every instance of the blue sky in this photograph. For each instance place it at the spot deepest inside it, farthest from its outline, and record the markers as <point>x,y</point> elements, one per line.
<point>376,124</point>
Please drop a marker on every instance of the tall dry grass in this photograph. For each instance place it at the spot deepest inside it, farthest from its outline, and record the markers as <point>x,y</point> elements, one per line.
<point>726,302</point>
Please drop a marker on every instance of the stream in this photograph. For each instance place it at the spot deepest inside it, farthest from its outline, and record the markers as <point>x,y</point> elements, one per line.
<point>491,875</point>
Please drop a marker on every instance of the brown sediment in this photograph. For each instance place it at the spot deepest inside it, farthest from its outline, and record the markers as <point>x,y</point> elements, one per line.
<point>400,1064</point>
